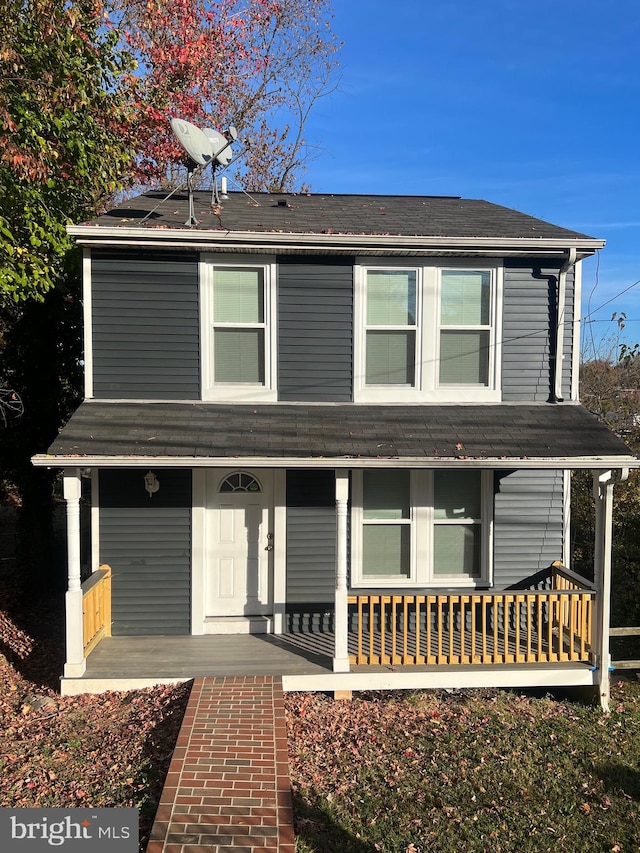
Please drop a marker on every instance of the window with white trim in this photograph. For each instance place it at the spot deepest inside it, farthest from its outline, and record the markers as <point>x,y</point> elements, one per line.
<point>238,325</point>
<point>391,327</point>
<point>457,524</point>
<point>465,327</point>
<point>238,347</point>
<point>421,528</point>
<point>386,524</point>
<point>427,332</point>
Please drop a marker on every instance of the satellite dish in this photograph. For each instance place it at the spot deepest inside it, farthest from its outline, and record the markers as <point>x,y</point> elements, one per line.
<point>204,147</point>
<point>222,153</point>
<point>195,142</point>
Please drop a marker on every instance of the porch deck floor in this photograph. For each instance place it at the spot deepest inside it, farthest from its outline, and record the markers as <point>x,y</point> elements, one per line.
<point>295,654</point>
<point>211,655</point>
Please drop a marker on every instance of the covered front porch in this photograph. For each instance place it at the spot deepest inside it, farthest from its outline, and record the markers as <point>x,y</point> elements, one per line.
<point>550,628</point>
<point>540,634</point>
<point>427,622</point>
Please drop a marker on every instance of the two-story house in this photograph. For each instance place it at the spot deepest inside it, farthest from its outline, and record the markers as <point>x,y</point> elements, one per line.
<point>345,420</point>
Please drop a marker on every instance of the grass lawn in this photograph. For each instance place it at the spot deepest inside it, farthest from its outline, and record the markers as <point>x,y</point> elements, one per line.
<point>465,772</point>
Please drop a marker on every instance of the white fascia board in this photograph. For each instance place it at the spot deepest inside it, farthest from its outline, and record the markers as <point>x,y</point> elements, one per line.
<point>549,462</point>
<point>518,676</point>
<point>205,240</point>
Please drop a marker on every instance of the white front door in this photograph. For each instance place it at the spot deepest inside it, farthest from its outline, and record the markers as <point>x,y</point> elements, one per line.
<point>239,543</point>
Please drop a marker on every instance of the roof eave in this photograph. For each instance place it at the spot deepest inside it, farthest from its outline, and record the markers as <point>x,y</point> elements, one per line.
<point>601,463</point>
<point>361,244</point>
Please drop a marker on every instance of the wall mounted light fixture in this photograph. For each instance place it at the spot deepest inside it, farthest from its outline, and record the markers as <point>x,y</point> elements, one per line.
<point>151,483</point>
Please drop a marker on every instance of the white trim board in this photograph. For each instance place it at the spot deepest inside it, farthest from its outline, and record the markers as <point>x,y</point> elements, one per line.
<point>600,463</point>
<point>437,679</point>
<point>446,679</point>
<point>208,240</point>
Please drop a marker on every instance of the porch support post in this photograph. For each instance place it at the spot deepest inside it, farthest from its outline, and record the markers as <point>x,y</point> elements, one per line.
<point>341,651</point>
<point>76,663</point>
<point>603,482</point>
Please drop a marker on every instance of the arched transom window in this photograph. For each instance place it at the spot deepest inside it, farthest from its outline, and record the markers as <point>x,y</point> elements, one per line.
<point>240,482</point>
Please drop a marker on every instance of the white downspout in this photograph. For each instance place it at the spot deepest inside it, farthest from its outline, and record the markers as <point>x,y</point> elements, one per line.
<point>562,298</point>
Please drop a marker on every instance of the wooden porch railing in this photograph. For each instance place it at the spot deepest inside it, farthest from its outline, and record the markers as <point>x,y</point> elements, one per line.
<point>528,626</point>
<point>564,578</point>
<point>96,608</point>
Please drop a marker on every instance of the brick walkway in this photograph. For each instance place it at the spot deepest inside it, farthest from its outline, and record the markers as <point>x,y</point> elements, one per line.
<point>227,789</point>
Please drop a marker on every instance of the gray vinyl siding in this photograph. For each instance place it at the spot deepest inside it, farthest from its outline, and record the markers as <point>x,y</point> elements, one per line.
<point>529,329</point>
<point>147,543</point>
<point>311,537</point>
<point>145,325</point>
<point>315,331</point>
<point>528,524</point>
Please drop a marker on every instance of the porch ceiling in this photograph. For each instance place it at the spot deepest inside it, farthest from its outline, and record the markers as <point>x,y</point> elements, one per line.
<point>125,434</point>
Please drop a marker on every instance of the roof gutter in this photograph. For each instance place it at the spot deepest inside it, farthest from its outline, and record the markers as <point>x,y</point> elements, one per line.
<point>560,462</point>
<point>246,241</point>
<point>561,308</point>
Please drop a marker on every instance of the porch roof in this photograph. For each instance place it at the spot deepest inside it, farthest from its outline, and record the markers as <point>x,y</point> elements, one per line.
<point>127,434</point>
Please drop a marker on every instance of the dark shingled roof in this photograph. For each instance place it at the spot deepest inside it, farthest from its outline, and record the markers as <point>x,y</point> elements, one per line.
<point>409,216</point>
<point>500,431</point>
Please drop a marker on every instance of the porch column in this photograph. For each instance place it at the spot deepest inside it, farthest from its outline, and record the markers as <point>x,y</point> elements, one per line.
<point>341,651</point>
<point>76,663</point>
<point>603,482</point>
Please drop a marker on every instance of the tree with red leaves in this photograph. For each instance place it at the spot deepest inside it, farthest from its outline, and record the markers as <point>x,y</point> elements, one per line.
<point>257,64</point>
<point>87,88</point>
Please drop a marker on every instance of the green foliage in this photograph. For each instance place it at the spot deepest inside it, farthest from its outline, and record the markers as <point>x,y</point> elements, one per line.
<point>65,148</point>
<point>65,152</point>
<point>473,771</point>
<point>610,388</point>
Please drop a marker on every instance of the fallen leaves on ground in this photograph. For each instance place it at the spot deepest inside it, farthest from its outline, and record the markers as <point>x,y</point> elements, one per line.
<point>480,771</point>
<point>107,750</point>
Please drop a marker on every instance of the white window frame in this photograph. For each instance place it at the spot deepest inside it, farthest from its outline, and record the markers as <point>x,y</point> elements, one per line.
<point>226,391</point>
<point>479,327</point>
<point>415,328</point>
<point>427,345</point>
<point>422,521</point>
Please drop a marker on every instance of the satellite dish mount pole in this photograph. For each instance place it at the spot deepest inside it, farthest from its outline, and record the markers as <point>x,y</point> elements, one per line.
<point>191,167</point>
<point>215,197</point>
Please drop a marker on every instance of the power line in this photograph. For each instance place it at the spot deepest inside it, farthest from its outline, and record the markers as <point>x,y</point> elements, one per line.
<point>613,298</point>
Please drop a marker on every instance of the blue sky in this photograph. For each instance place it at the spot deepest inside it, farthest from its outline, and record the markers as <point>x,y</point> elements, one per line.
<point>534,106</point>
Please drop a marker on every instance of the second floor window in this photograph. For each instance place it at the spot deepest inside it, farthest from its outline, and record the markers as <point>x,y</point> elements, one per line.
<point>238,325</point>
<point>465,327</point>
<point>237,331</point>
<point>427,333</point>
<point>391,327</point>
